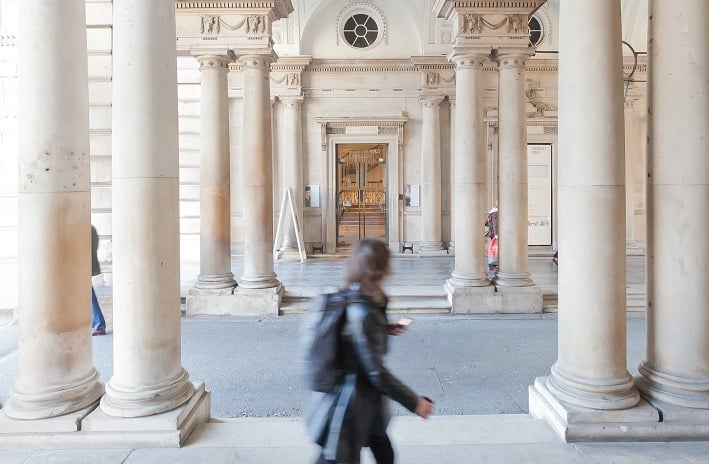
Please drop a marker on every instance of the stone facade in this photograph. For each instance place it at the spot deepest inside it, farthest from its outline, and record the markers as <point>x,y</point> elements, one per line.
<point>265,93</point>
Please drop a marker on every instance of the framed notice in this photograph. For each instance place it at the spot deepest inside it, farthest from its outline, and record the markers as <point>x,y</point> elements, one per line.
<point>412,195</point>
<point>312,196</point>
<point>539,170</point>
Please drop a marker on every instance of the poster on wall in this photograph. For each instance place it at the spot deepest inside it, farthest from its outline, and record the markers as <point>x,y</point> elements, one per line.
<point>412,195</point>
<point>312,196</point>
<point>539,170</point>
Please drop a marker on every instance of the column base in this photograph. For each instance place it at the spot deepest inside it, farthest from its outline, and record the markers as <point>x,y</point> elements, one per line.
<point>494,300</point>
<point>670,389</point>
<point>431,248</point>
<point>71,422</point>
<point>243,302</point>
<point>513,279</point>
<point>217,283</point>
<point>91,428</point>
<point>579,424</point>
<point>169,429</point>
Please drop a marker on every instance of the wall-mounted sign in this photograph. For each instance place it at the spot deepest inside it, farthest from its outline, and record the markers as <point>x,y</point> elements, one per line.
<point>312,196</point>
<point>539,169</point>
<point>412,195</point>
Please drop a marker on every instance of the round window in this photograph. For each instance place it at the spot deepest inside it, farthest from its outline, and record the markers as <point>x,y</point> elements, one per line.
<point>536,31</point>
<point>360,30</point>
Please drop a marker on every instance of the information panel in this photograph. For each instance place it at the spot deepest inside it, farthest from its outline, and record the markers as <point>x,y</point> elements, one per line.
<point>539,169</point>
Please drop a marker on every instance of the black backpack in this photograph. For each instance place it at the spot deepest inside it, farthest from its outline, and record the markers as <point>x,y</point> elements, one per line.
<point>322,346</point>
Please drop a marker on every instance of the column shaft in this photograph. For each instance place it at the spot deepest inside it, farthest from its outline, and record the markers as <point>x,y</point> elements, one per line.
<point>148,375</point>
<point>676,368</point>
<point>513,268</point>
<point>591,370</point>
<point>215,221</point>
<point>431,175</point>
<point>293,165</point>
<point>451,244</point>
<point>55,374</point>
<point>257,175</point>
<point>469,175</point>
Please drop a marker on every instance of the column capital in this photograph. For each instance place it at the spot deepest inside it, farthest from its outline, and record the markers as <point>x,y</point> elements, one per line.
<point>512,57</point>
<point>214,61</point>
<point>295,101</point>
<point>257,60</point>
<point>431,101</point>
<point>468,59</point>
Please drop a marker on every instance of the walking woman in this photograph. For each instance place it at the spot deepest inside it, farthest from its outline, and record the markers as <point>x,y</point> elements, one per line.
<point>356,415</point>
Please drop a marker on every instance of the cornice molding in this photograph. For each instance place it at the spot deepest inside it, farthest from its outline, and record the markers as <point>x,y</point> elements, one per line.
<point>281,7</point>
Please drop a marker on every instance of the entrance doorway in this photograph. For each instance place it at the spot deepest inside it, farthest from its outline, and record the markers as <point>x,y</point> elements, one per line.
<point>361,193</point>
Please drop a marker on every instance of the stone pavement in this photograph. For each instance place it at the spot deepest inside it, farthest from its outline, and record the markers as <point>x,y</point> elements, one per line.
<point>477,369</point>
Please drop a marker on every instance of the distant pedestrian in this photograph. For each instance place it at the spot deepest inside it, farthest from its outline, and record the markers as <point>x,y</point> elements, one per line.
<point>356,414</point>
<point>98,323</point>
<point>493,240</point>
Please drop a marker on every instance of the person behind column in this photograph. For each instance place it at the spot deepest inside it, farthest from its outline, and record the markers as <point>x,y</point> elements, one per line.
<point>491,234</point>
<point>98,323</point>
<point>364,342</point>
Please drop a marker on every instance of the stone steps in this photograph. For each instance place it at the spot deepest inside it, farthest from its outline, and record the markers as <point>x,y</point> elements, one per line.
<point>427,300</point>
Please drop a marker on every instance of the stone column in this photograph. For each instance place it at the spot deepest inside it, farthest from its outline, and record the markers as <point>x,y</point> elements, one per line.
<point>431,176</point>
<point>468,179</point>
<point>451,244</point>
<point>148,376</point>
<point>259,281</point>
<point>292,166</point>
<point>675,373</point>
<point>513,268</point>
<point>215,276</point>
<point>589,388</point>
<point>55,374</point>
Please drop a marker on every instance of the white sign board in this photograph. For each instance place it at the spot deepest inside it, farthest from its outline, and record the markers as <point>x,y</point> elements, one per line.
<point>539,169</point>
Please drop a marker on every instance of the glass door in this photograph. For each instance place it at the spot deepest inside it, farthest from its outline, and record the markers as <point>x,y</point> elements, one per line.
<point>361,194</point>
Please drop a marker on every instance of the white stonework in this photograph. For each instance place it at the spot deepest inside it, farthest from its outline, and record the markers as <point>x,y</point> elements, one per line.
<point>55,374</point>
<point>280,88</point>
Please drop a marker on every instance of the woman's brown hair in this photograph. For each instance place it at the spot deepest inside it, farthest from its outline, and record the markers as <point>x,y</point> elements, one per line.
<point>368,266</point>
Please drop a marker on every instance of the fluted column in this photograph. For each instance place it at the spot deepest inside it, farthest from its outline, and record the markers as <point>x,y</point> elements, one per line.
<point>257,175</point>
<point>215,274</point>
<point>469,175</point>
<point>676,366</point>
<point>55,373</point>
<point>148,376</point>
<point>293,165</point>
<point>431,175</point>
<point>591,369</point>
<point>513,267</point>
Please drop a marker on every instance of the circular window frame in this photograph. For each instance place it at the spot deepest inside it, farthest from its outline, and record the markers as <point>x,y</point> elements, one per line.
<point>541,30</point>
<point>361,8</point>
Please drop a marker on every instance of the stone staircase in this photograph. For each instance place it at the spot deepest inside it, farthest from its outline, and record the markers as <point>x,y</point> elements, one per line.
<point>424,300</point>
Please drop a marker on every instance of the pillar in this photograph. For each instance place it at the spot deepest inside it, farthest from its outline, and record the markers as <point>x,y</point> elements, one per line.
<point>451,244</point>
<point>431,176</point>
<point>215,276</point>
<point>292,166</point>
<point>513,268</point>
<point>55,367</point>
<point>675,373</point>
<point>468,182</point>
<point>148,376</point>
<point>257,180</point>
<point>590,395</point>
